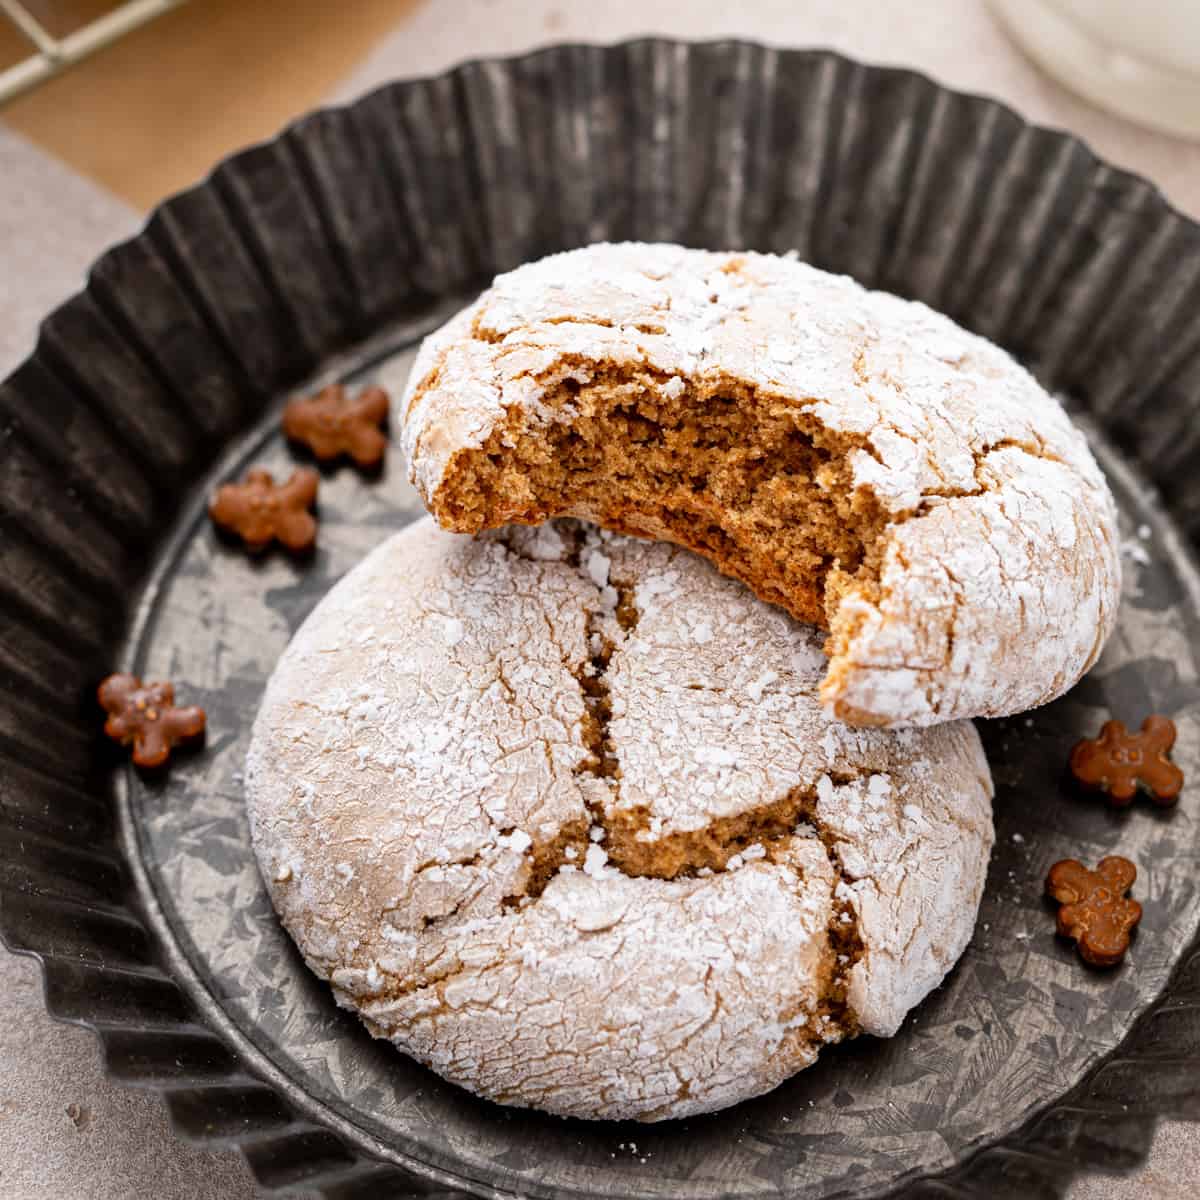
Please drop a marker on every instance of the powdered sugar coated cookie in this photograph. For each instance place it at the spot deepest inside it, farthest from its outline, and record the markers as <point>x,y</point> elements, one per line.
<point>853,457</point>
<point>559,812</point>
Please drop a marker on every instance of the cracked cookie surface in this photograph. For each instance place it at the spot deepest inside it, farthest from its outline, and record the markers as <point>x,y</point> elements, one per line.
<point>560,813</point>
<point>853,457</point>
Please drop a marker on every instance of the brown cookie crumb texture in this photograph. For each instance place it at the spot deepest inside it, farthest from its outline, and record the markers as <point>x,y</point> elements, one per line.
<point>1095,913</point>
<point>333,425</point>
<point>1118,761</point>
<point>260,511</point>
<point>763,493</point>
<point>144,716</point>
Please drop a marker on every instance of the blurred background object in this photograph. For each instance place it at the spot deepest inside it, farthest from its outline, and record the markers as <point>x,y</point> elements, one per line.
<point>164,103</point>
<point>1141,60</point>
<point>60,34</point>
<point>159,106</point>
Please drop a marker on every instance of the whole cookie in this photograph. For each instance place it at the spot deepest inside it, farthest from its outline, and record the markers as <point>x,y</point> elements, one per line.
<point>559,813</point>
<point>853,457</point>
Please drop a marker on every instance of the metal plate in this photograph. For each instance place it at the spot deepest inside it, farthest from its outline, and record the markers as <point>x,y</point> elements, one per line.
<point>166,376</point>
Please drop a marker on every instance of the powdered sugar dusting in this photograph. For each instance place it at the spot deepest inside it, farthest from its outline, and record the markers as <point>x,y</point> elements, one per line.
<point>594,862</point>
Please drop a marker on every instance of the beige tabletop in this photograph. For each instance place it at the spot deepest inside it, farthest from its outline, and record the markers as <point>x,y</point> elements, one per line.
<point>65,1131</point>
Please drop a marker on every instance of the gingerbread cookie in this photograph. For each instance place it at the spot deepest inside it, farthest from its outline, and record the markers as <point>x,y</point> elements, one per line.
<point>853,457</point>
<point>332,424</point>
<point>260,511</point>
<point>560,813</point>
<point>1118,761</point>
<point>1096,912</point>
<point>145,716</point>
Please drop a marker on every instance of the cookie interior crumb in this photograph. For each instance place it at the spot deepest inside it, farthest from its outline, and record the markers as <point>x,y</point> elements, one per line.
<point>761,489</point>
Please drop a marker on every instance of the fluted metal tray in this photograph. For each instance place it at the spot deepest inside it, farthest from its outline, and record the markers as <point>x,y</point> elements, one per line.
<point>325,254</point>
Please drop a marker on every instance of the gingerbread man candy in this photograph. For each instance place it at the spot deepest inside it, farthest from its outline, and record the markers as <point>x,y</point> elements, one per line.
<point>144,715</point>
<point>1117,761</point>
<point>1095,912</point>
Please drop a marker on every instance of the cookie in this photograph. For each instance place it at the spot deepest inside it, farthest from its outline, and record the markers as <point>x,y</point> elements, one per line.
<point>260,511</point>
<point>1096,912</point>
<point>332,425</point>
<point>145,716</point>
<point>559,812</point>
<point>853,457</point>
<point>1118,761</point>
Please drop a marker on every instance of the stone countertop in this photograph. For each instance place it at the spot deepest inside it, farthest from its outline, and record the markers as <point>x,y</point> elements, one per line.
<point>65,1130</point>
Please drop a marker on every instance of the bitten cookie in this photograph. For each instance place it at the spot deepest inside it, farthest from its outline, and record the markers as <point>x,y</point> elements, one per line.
<point>559,813</point>
<point>853,457</point>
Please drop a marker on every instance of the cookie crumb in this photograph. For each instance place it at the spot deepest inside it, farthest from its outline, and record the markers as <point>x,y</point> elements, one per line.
<point>597,568</point>
<point>1136,552</point>
<point>518,841</point>
<point>595,862</point>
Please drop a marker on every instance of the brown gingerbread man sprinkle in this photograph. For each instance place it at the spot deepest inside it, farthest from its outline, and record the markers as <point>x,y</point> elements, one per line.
<point>1117,761</point>
<point>1095,912</point>
<point>145,716</point>
<point>330,424</point>
<point>261,511</point>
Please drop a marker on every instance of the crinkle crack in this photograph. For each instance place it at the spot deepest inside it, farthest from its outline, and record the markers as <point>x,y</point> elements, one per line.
<point>616,832</point>
<point>622,834</point>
